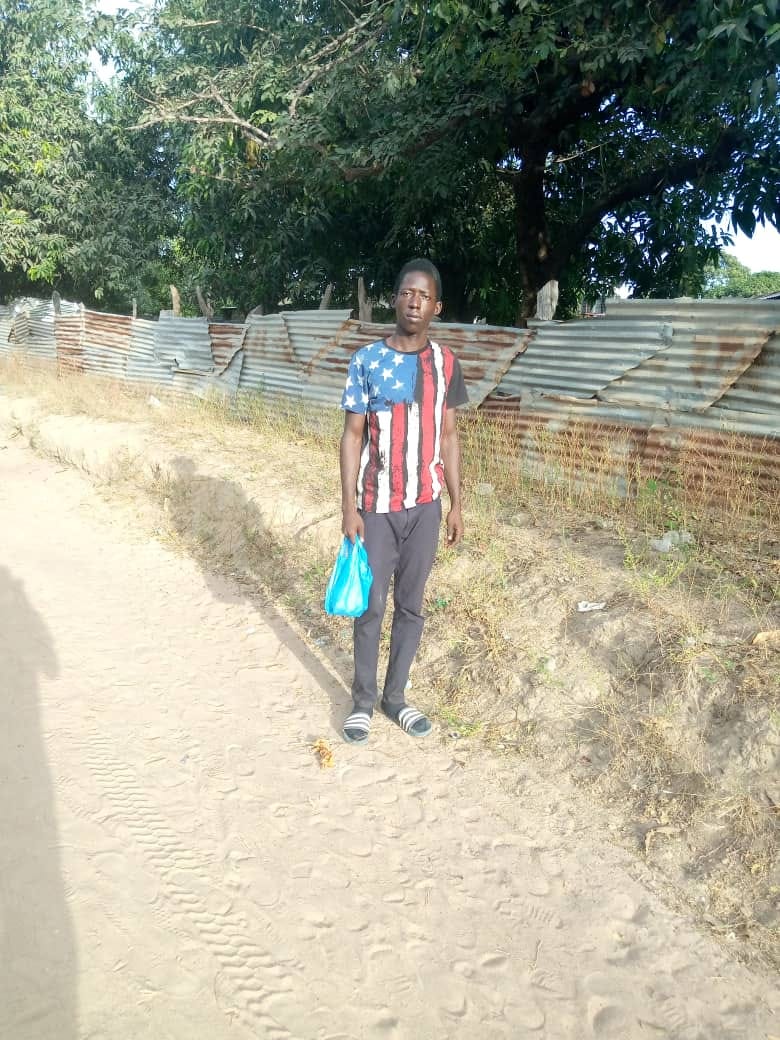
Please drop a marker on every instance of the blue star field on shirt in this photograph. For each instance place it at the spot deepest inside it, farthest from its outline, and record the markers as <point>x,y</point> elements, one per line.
<point>378,378</point>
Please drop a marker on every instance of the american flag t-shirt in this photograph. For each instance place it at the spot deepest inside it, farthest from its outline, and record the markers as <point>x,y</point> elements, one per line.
<point>403,397</point>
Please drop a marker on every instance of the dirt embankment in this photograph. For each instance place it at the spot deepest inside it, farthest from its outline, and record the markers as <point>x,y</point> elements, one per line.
<point>648,682</point>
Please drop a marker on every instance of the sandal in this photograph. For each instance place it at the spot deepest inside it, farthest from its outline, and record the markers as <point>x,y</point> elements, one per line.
<point>410,720</point>
<point>356,727</point>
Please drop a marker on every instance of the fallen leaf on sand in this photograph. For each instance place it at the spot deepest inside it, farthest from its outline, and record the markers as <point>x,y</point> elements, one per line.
<point>769,638</point>
<point>322,749</point>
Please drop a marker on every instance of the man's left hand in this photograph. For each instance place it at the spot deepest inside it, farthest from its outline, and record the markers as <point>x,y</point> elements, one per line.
<point>454,527</point>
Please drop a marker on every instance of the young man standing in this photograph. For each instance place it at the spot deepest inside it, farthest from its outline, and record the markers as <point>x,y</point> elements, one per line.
<point>400,444</point>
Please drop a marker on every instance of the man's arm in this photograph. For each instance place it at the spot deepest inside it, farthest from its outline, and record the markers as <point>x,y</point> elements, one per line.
<point>450,456</point>
<point>349,463</point>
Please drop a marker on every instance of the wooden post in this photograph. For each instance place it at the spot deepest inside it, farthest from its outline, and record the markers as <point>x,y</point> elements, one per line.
<point>365,307</point>
<point>205,307</point>
<point>135,307</point>
<point>325,301</point>
<point>547,301</point>
<point>176,301</point>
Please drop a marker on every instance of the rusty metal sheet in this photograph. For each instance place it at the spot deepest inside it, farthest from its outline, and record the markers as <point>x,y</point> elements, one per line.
<point>142,366</point>
<point>101,361</point>
<point>227,340</point>
<point>184,343</point>
<point>6,324</point>
<point>310,332</point>
<point>69,339</point>
<point>714,342</point>
<point>269,364</point>
<point>757,390</point>
<point>108,333</point>
<point>579,358</point>
<point>612,443</point>
<point>107,341</point>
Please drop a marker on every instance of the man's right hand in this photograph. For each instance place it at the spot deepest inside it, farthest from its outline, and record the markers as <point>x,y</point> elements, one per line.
<point>352,524</point>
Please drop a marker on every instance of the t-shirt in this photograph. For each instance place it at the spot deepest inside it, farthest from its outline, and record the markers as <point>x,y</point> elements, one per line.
<point>404,397</point>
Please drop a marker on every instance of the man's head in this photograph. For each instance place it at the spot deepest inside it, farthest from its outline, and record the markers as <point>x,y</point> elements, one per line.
<point>423,267</point>
<point>417,296</point>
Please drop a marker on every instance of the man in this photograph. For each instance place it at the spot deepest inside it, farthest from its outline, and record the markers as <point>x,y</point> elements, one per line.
<point>400,443</point>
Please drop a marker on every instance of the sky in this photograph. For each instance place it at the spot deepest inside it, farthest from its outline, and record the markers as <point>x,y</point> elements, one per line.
<point>759,253</point>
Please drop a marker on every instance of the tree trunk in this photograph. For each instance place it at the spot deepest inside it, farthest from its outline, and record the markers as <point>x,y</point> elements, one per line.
<point>532,234</point>
<point>365,307</point>
<point>175,301</point>
<point>325,301</point>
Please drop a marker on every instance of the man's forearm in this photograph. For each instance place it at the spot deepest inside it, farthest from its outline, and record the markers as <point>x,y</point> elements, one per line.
<point>450,456</point>
<point>349,465</point>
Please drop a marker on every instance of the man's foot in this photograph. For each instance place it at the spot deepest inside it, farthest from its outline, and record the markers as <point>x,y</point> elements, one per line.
<point>356,727</point>
<point>409,719</point>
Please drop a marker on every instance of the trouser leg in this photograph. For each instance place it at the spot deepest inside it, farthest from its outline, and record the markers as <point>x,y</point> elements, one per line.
<point>382,549</point>
<point>418,540</point>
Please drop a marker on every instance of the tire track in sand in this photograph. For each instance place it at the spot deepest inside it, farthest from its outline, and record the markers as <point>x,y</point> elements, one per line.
<point>249,977</point>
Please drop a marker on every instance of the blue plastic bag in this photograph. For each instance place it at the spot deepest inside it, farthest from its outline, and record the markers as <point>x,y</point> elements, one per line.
<point>350,581</point>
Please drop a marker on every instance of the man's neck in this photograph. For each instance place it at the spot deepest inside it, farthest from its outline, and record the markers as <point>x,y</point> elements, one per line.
<point>408,343</point>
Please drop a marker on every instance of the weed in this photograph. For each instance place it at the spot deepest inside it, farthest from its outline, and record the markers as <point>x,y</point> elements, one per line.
<point>454,722</point>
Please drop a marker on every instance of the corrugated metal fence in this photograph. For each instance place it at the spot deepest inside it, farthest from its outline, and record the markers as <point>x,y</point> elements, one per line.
<point>647,381</point>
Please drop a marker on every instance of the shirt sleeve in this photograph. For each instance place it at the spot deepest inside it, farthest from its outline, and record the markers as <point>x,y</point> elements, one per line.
<point>355,396</point>
<point>457,394</point>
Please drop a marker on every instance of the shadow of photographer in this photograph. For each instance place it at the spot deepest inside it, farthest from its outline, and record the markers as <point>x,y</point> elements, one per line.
<point>38,966</point>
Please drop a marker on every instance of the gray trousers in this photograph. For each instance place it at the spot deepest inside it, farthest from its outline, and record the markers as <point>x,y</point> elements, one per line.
<point>400,545</point>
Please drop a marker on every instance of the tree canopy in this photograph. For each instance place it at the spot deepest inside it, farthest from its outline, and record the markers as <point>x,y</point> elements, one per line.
<point>728,277</point>
<point>513,142</point>
<point>86,206</point>
<point>263,149</point>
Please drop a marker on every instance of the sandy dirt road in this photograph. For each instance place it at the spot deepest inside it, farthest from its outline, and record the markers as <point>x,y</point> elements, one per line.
<point>175,865</point>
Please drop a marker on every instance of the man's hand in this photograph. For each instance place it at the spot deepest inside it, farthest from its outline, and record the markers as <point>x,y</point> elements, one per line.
<point>352,524</point>
<point>454,527</point>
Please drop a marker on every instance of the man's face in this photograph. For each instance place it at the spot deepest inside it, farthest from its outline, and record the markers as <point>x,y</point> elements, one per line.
<point>415,302</point>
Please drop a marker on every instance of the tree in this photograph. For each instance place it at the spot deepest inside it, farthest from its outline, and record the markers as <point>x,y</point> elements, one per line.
<point>85,208</point>
<point>42,73</point>
<point>728,277</point>
<point>597,134</point>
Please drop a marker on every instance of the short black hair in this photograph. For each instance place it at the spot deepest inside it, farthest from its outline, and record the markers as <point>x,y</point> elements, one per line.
<point>424,267</point>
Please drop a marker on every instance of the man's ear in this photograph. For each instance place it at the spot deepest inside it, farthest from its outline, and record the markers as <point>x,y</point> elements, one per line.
<point>437,308</point>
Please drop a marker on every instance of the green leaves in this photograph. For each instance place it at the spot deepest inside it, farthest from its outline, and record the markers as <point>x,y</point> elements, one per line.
<point>267,148</point>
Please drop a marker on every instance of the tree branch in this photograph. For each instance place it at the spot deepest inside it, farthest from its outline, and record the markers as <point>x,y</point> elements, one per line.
<point>176,112</point>
<point>336,44</point>
<point>653,183</point>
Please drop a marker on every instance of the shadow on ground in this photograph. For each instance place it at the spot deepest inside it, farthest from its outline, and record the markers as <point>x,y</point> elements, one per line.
<point>38,968</point>
<point>241,559</point>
